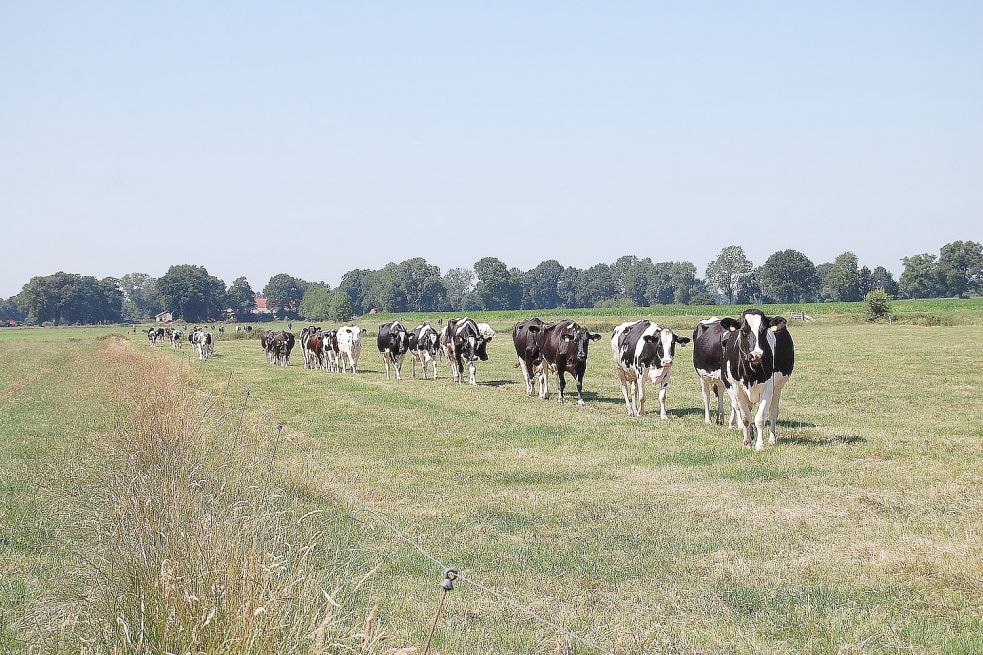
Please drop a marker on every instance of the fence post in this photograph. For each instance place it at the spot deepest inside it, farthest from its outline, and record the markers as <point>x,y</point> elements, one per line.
<point>446,585</point>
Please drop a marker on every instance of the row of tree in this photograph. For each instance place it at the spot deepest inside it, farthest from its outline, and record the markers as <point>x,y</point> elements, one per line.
<point>191,293</point>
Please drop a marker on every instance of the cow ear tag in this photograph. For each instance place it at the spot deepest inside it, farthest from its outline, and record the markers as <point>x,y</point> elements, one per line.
<point>733,329</point>
<point>774,328</point>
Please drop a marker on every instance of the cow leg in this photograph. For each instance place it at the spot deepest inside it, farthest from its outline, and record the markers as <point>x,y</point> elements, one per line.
<point>623,383</point>
<point>472,369</point>
<point>562,381</point>
<point>764,408</point>
<point>662,399</point>
<point>705,385</point>
<point>544,381</point>
<point>779,381</point>
<point>640,382</point>
<point>744,412</point>
<point>526,376</point>
<point>434,362</point>
<point>385,359</point>
<point>580,389</point>
<point>398,364</point>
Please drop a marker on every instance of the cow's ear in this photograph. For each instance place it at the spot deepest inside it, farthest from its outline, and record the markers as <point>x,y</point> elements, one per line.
<point>730,323</point>
<point>681,340</point>
<point>534,329</point>
<point>568,337</point>
<point>595,337</point>
<point>777,323</point>
<point>649,337</point>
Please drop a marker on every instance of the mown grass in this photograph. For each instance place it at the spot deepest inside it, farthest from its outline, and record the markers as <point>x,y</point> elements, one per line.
<point>857,533</point>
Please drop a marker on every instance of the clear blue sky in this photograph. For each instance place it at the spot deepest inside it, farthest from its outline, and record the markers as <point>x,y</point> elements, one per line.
<point>255,138</point>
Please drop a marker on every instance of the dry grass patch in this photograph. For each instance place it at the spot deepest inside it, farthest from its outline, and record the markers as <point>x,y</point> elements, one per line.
<point>176,536</point>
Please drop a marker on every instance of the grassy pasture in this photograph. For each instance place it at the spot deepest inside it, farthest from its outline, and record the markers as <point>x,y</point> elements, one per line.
<point>858,533</point>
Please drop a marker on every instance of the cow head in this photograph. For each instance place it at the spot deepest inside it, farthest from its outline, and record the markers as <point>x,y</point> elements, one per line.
<point>399,339</point>
<point>578,339</point>
<point>754,335</point>
<point>665,341</point>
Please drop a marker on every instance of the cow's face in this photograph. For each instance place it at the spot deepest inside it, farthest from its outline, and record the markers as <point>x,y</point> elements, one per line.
<point>481,347</point>
<point>755,335</point>
<point>665,341</point>
<point>398,341</point>
<point>578,340</point>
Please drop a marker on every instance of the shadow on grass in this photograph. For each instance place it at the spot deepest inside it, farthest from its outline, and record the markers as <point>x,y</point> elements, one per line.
<point>495,383</point>
<point>816,438</point>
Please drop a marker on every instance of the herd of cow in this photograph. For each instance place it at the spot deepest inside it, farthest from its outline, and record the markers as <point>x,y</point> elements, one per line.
<point>749,358</point>
<point>202,341</point>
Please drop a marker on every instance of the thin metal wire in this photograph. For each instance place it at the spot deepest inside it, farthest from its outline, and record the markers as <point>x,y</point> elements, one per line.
<point>358,504</point>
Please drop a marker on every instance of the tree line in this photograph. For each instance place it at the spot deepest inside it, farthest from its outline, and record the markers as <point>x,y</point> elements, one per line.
<point>787,276</point>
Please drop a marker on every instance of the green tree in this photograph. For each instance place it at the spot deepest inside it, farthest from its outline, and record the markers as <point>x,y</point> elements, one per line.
<point>241,299</point>
<point>842,280</point>
<point>598,285</point>
<point>571,287</point>
<point>341,307</point>
<point>728,272</point>
<point>459,282</point>
<point>357,284</point>
<point>66,298</point>
<point>283,293</point>
<point>881,278</point>
<point>190,293</point>
<point>636,281</point>
<point>877,305</point>
<point>921,277</point>
<point>386,293</point>
<point>961,268</point>
<point>789,276</point>
<point>317,302</point>
<point>498,287</point>
<point>540,285</point>
<point>141,299</point>
<point>618,270</point>
<point>11,311</point>
<point>421,285</point>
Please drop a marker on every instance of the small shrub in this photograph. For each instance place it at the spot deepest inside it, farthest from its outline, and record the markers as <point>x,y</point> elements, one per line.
<point>877,305</point>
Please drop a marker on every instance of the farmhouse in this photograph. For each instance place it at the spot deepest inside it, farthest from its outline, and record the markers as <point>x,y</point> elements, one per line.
<point>261,307</point>
<point>164,317</point>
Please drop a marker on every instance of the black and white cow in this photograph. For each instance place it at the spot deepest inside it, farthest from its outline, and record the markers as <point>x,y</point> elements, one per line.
<point>465,341</point>
<point>349,347</point>
<point>758,358</point>
<point>331,351</point>
<point>424,345</point>
<point>644,349</point>
<point>266,342</point>
<point>708,358</point>
<point>564,346</point>
<point>154,335</point>
<point>176,339</point>
<point>203,342</point>
<point>525,338</point>
<point>393,342</point>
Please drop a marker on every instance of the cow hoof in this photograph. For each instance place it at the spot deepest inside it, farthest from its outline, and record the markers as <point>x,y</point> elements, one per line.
<point>581,403</point>
<point>747,443</point>
<point>559,401</point>
<point>759,446</point>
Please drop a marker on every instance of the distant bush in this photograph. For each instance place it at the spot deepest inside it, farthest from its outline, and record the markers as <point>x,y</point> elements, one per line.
<point>877,305</point>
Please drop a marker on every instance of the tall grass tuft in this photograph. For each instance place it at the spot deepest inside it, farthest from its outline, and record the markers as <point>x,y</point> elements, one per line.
<point>177,540</point>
